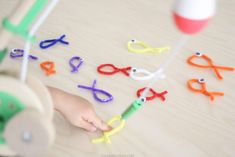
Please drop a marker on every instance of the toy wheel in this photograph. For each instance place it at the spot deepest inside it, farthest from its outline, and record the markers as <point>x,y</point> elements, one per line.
<point>18,89</point>
<point>29,133</point>
<point>43,94</point>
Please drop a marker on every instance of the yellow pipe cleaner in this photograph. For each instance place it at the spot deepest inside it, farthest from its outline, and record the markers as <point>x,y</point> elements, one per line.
<point>145,47</point>
<point>106,135</point>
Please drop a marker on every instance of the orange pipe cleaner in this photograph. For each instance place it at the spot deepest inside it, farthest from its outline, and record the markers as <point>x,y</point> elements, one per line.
<point>48,67</point>
<point>210,64</point>
<point>203,89</point>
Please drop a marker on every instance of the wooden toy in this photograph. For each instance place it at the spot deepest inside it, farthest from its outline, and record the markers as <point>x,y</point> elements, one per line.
<point>26,112</point>
<point>26,107</point>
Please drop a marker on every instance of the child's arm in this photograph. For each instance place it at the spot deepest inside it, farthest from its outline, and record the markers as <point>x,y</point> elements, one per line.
<point>77,110</point>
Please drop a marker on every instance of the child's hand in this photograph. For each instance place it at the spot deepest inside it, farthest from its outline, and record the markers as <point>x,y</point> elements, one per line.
<point>77,110</point>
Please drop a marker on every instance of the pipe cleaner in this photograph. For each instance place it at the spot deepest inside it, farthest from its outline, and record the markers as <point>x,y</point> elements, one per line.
<point>17,53</point>
<point>48,67</point>
<point>154,94</point>
<point>95,91</point>
<point>113,69</point>
<point>135,106</point>
<point>143,74</point>
<point>75,67</point>
<point>210,64</point>
<point>145,47</point>
<point>203,89</point>
<point>50,42</point>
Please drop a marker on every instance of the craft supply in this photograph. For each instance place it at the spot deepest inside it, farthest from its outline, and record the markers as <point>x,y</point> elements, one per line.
<point>203,89</point>
<point>154,94</point>
<point>95,92</point>
<point>22,28</point>
<point>143,74</point>
<point>51,42</point>
<point>210,64</point>
<point>3,54</point>
<point>75,67</point>
<point>105,138</point>
<point>48,67</point>
<point>134,73</point>
<point>17,53</point>
<point>122,119</point>
<point>113,69</point>
<point>144,47</point>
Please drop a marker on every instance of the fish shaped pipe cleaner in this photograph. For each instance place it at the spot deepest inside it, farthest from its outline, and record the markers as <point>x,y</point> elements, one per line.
<point>202,89</point>
<point>154,95</point>
<point>210,64</point>
<point>145,48</point>
<point>110,69</point>
<point>51,42</point>
<point>135,106</point>
<point>48,67</point>
<point>139,74</point>
<point>74,66</point>
<point>95,91</point>
<point>19,53</point>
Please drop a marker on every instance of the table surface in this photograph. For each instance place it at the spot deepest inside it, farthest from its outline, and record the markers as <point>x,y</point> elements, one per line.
<point>186,124</point>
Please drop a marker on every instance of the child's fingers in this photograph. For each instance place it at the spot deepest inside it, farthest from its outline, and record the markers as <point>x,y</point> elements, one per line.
<point>87,126</point>
<point>99,123</point>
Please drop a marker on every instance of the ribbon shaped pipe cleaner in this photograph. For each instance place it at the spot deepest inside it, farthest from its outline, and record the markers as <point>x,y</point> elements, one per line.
<point>48,67</point>
<point>95,91</point>
<point>154,94</point>
<point>136,105</point>
<point>17,53</point>
<point>113,70</point>
<point>22,28</point>
<point>106,135</point>
<point>203,89</point>
<point>143,74</point>
<point>145,47</point>
<point>50,42</point>
<point>210,64</point>
<point>75,67</point>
